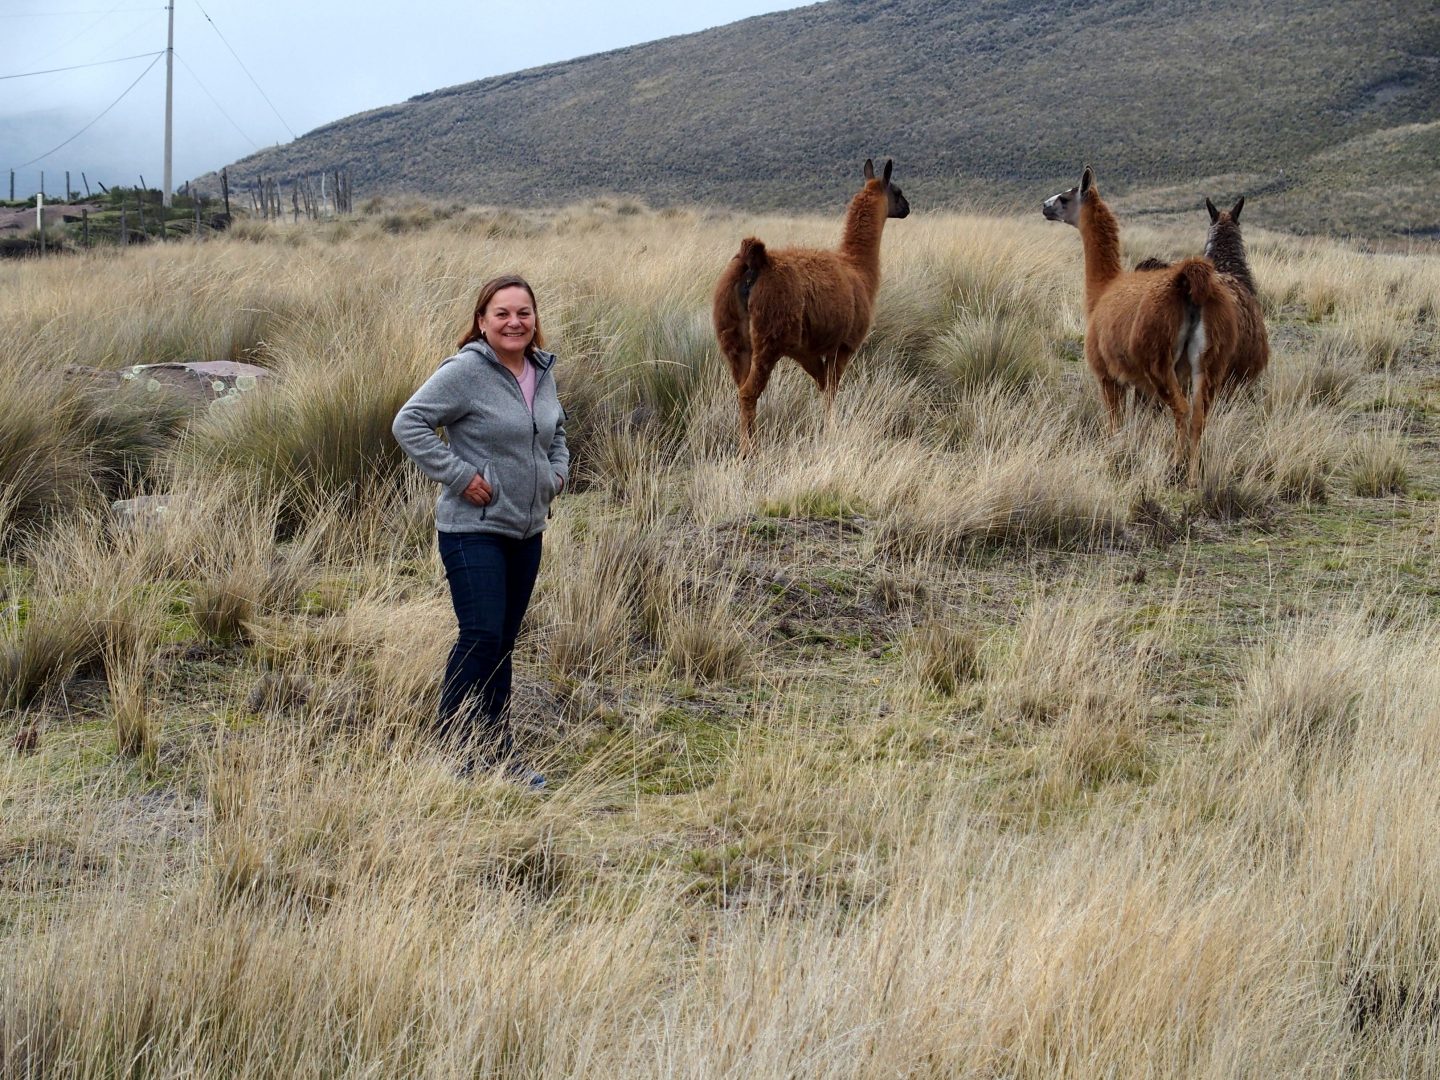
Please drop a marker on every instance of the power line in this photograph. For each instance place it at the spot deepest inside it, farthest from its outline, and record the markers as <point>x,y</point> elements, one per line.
<point>71,41</point>
<point>142,26</point>
<point>92,11</point>
<point>246,70</point>
<point>77,67</point>
<point>216,103</point>
<point>97,119</point>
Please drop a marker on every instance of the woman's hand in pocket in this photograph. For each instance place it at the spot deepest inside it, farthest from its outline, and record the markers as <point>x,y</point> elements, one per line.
<point>477,491</point>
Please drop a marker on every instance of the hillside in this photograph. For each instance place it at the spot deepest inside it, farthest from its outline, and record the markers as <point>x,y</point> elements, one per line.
<point>995,103</point>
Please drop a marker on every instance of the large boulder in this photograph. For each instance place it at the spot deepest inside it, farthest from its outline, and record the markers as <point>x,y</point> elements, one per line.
<point>204,384</point>
<point>141,510</point>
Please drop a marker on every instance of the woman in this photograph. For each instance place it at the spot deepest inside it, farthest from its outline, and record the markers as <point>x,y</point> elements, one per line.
<point>505,460</point>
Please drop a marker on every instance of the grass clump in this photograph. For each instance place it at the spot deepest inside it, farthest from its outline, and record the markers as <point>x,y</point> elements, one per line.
<point>1379,465</point>
<point>990,349</point>
<point>1251,459</point>
<point>311,444</point>
<point>702,639</point>
<point>1328,379</point>
<point>942,657</point>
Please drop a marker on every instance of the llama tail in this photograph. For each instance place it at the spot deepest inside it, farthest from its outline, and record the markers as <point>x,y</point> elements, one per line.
<point>1195,280</point>
<point>1197,288</point>
<point>753,259</point>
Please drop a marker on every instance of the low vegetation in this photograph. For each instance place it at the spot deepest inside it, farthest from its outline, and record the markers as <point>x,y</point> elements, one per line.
<point>949,737</point>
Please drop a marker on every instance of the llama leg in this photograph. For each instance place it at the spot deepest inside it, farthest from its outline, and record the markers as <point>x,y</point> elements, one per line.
<point>1114,396</point>
<point>836,372</point>
<point>750,391</point>
<point>737,354</point>
<point>1169,391</point>
<point>1202,396</point>
<point>815,367</point>
<point>1198,408</point>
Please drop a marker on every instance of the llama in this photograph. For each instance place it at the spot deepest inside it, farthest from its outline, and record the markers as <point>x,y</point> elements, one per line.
<point>1225,248</point>
<point>812,305</point>
<point>1145,327</point>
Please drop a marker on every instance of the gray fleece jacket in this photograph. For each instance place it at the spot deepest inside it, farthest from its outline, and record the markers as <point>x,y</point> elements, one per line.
<point>491,432</point>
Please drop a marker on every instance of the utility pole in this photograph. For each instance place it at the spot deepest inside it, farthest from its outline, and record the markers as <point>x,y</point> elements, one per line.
<point>169,102</point>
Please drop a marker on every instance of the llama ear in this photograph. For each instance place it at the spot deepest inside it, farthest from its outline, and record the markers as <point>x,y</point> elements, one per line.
<point>889,168</point>
<point>1214,214</point>
<point>1235,210</point>
<point>869,169</point>
<point>1087,180</point>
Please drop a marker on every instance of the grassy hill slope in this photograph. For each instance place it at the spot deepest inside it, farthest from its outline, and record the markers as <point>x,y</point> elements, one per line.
<point>989,102</point>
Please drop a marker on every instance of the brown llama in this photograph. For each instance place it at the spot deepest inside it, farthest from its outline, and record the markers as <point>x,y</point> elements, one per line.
<point>812,305</point>
<point>1144,328</point>
<point>1226,249</point>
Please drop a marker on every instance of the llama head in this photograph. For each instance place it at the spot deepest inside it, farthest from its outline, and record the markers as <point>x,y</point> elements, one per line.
<point>1224,227</point>
<point>1065,205</point>
<point>1234,210</point>
<point>896,205</point>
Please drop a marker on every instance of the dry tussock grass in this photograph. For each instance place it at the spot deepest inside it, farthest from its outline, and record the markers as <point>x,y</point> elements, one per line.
<point>946,737</point>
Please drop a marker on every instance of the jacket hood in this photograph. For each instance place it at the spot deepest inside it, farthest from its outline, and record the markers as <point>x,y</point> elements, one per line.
<point>481,348</point>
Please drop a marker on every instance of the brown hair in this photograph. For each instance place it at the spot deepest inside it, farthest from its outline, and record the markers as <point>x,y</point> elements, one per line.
<point>487,293</point>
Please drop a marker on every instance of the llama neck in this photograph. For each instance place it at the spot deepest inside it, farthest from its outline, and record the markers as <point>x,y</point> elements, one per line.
<point>1226,250</point>
<point>864,222</point>
<point>1100,237</point>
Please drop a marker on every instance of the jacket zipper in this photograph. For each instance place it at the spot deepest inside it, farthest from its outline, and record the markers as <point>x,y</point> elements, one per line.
<point>540,372</point>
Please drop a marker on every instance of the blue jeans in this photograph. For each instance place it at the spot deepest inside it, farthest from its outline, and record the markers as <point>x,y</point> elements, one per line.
<point>491,578</point>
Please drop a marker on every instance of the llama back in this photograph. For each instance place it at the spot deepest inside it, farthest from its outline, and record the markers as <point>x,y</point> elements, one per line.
<point>1252,346</point>
<point>807,303</point>
<point>1145,318</point>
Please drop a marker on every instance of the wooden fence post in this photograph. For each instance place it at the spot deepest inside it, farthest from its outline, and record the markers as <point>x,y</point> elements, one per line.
<point>86,183</point>
<point>85,222</point>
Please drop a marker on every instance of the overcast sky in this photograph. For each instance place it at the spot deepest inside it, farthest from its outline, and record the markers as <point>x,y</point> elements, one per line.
<point>314,60</point>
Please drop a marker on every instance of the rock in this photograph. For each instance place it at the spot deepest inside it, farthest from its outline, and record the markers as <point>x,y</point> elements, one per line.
<point>204,384</point>
<point>140,510</point>
<point>209,383</point>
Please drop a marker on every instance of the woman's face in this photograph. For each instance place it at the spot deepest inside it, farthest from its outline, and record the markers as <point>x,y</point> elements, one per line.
<point>508,321</point>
